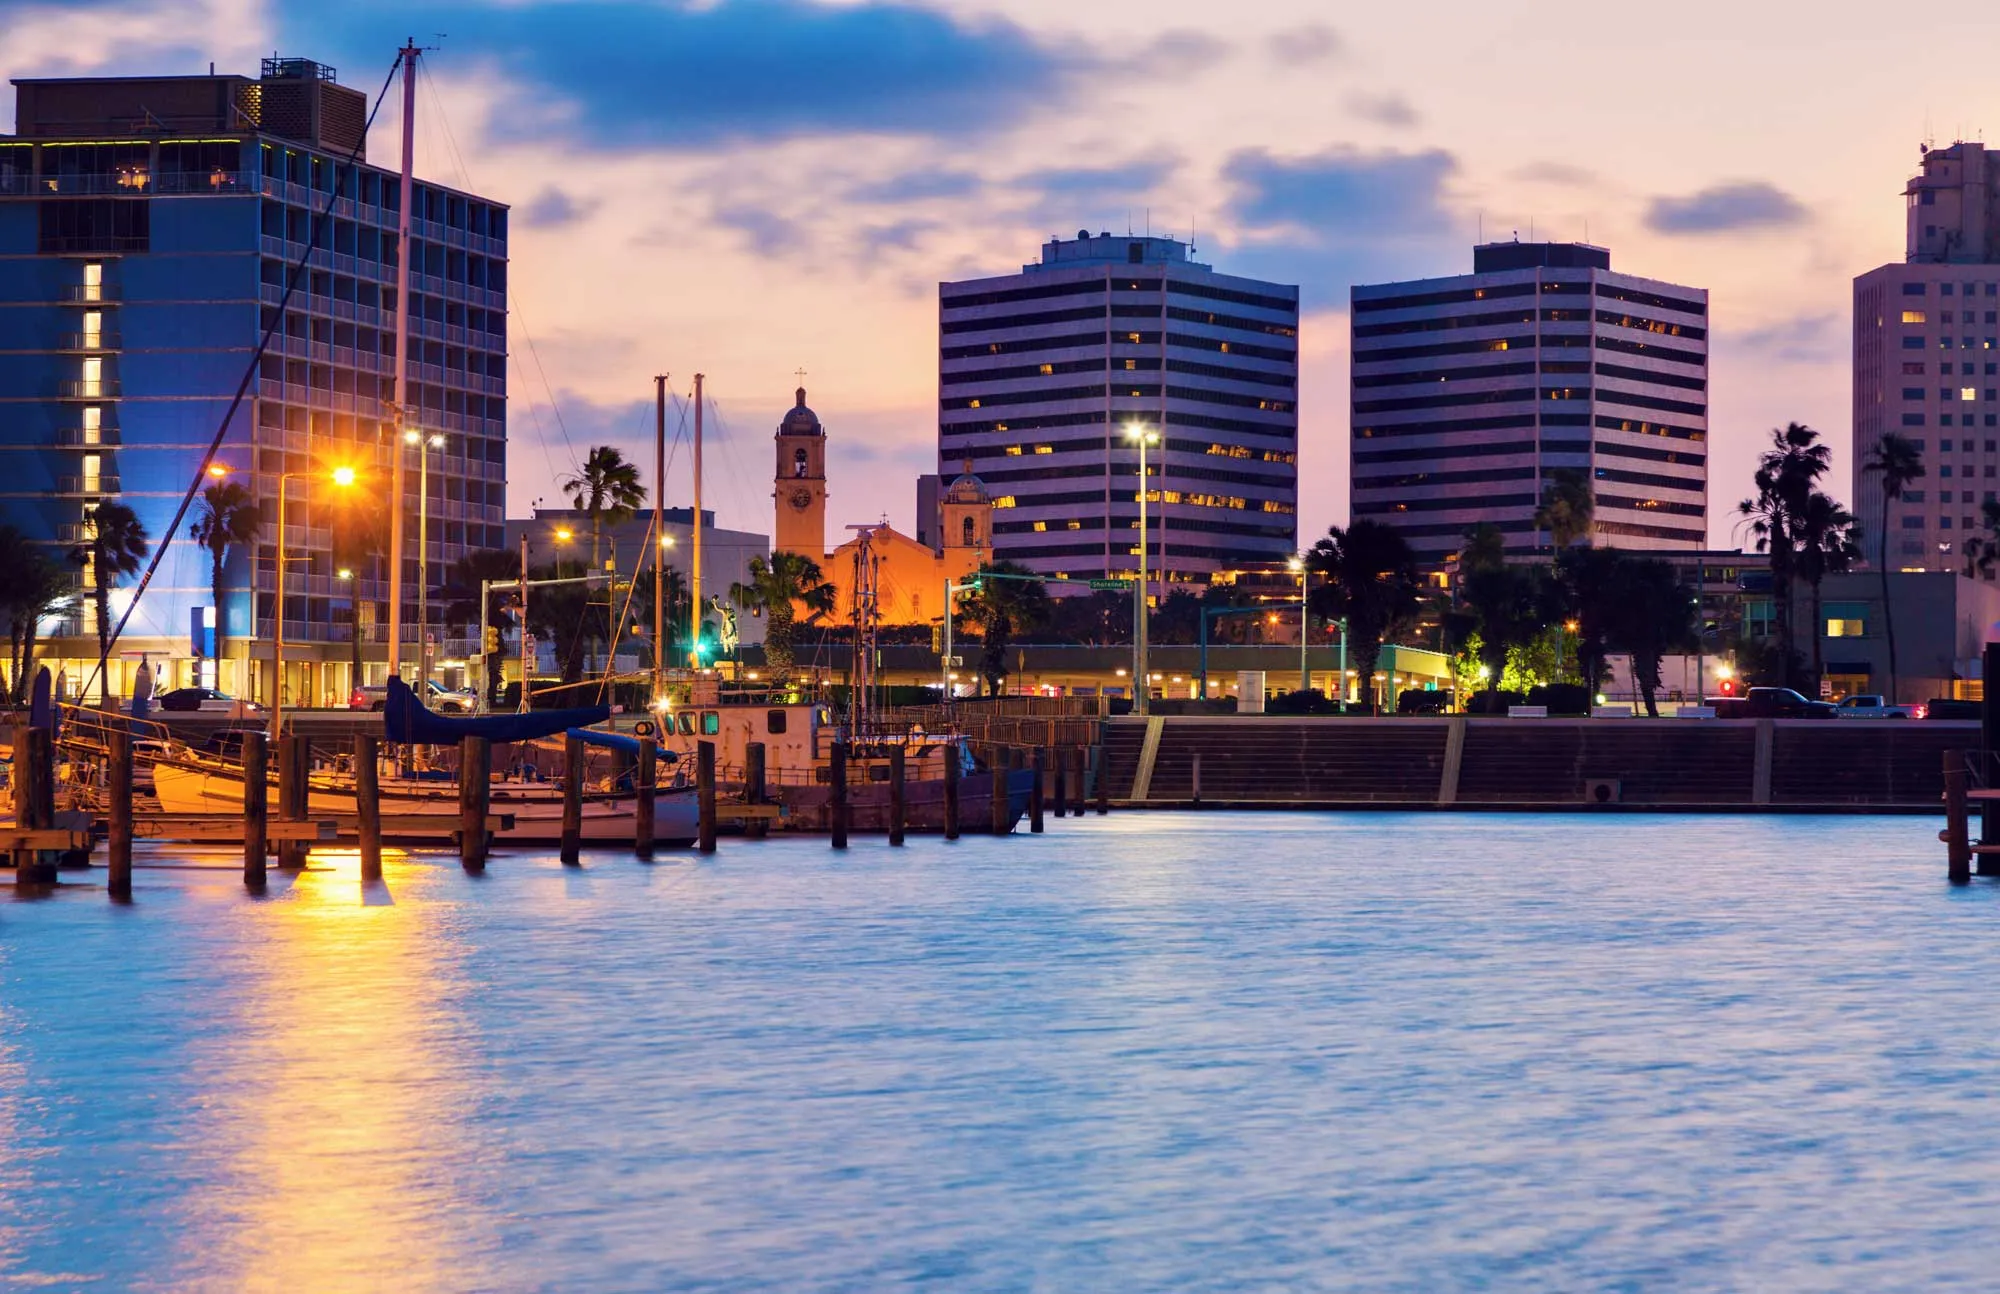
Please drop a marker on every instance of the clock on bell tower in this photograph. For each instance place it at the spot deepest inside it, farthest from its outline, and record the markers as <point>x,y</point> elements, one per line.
<point>800,493</point>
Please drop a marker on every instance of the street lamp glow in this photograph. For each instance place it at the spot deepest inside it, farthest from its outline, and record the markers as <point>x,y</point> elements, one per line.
<point>564,534</point>
<point>1142,433</point>
<point>1294,565</point>
<point>343,476</point>
<point>218,470</point>
<point>666,541</point>
<point>344,573</point>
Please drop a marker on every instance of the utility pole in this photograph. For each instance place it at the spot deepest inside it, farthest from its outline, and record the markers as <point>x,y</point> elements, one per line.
<point>694,565</point>
<point>406,196</point>
<point>659,534</point>
<point>526,664</point>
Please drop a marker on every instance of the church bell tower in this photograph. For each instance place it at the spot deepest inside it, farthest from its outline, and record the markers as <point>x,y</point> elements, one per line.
<point>800,494</point>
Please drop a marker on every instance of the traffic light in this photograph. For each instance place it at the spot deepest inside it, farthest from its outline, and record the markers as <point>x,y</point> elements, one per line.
<point>937,637</point>
<point>491,642</point>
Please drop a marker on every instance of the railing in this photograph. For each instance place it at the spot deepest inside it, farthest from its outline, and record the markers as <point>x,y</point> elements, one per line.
<point>90,341</point>
<point>91,292</point>
<point>84,388</point>
<point>86,485</point>
<point>87,437</point>
<point>203,182</point>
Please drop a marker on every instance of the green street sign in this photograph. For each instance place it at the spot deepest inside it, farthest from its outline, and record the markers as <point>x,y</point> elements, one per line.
<point>1111,586</point>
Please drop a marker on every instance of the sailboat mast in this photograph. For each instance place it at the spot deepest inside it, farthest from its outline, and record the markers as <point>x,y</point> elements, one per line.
<point>694,565</point>
<point>396,455</point>
<point>659,533</point>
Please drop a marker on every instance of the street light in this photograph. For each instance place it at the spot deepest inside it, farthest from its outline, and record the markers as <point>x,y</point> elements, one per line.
<point>342,477</point>
<point>1144,436</point>
<point>1297,566</point>
<point>424,444</point>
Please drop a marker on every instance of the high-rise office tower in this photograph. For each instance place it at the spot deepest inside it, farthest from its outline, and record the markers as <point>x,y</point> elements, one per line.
<point>1925,365</point>
<point>148,227</point>
<point>1470,393</point>
<point>1042,374</point>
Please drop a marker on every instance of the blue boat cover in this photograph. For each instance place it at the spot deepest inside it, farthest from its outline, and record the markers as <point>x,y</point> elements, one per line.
<point>405,719</point>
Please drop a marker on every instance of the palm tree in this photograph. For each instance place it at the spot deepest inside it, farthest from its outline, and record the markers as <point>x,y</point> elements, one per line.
<point>1503,606</point>
<point>1589,580</point>
<point>32,588</point>
<point>229,518</point>
<point>1898,461</point>
<point>607,489</point>
<point>117,547</point>
<point>776,587</point>
<point>1823,544</point>
<point>999,607</point>
<point>1786,478</point>
<point>1982,551</point>
<point>1370,581</point>
<point>1567,508</point>
<point>1652,613</point>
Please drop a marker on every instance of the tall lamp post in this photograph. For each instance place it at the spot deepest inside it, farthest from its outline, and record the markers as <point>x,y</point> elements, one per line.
<point>1297,566</point>
<point>424,444</point>
<point>1143,435</point>
<point>342,477</point>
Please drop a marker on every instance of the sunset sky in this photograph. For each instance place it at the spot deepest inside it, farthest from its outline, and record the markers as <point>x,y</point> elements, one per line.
<point>750,187</point>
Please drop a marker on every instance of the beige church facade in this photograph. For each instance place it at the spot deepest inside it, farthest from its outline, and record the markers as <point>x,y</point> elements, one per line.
<point>909,577</point>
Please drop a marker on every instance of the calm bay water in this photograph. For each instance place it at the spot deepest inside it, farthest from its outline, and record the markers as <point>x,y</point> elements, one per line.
<point>1142,1052</point>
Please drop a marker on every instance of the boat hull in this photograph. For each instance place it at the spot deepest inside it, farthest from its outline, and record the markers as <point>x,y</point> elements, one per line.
<point>536,811</point>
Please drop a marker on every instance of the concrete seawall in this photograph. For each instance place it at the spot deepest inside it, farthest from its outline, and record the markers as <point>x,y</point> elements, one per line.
<point>1747,765</point>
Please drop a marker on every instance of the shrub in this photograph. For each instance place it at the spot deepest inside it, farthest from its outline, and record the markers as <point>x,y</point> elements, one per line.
<point>1561,698</point>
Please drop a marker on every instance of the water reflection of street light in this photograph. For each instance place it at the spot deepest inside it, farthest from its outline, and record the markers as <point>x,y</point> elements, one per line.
<point>344,478</point>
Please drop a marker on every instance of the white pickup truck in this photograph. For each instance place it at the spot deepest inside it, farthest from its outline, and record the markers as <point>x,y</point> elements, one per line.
<point>1869,706</point>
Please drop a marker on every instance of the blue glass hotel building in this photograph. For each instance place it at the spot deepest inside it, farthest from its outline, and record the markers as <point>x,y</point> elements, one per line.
<point>147,229</point>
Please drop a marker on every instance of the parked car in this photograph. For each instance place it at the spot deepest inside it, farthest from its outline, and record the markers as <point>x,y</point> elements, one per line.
<point>1772,703</point>
<point>1866,705</point>
<point>1944,707</point>
<point>205,700</point>
<point>441,699</point>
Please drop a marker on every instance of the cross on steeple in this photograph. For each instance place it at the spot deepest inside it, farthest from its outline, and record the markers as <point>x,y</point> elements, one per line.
<point>800,374</point>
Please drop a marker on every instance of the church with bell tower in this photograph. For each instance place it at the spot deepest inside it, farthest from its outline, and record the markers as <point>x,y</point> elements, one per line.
<point>800,494</point>
<point>909,576</point>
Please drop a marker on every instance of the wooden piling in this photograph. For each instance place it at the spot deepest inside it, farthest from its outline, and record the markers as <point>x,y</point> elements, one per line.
<point>643,778</point>
<point>836,775</point>
<point>1957,846</point>
<point>999,805</point>
<point>572,810</point>
<point>951,773</point>
<point>1060,757</point>
<point>256,808</point>
<point>475,792</point>
<point>1035,794</point>
<point>292,765</point>
<point>704,789</point>
<point>1103,783</point>
<point>753,787</point>
<point>34,803</point>
<point>898,807</point>
<point>118,786</point>
<point>1197,777</point>
<point>1078,801</point>
<point>368,804</point>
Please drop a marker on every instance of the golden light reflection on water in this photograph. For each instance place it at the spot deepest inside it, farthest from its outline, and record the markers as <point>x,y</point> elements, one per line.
<point>337,1128</point>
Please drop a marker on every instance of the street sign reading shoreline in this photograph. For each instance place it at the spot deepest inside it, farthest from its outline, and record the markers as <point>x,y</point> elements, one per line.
<point>1111,586</point>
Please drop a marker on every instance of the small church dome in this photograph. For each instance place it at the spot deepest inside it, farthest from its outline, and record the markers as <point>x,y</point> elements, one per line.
<point>801,421</point>
<point>967,488</point>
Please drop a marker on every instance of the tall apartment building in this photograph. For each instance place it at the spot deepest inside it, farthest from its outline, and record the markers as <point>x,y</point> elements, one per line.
<point>1041,373</point>
<point>1471,392</point>
<point>1925,364</point>
<point>147,229</point>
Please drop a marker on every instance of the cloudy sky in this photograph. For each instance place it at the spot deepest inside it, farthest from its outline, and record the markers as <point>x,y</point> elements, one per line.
<point>750,187</point>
